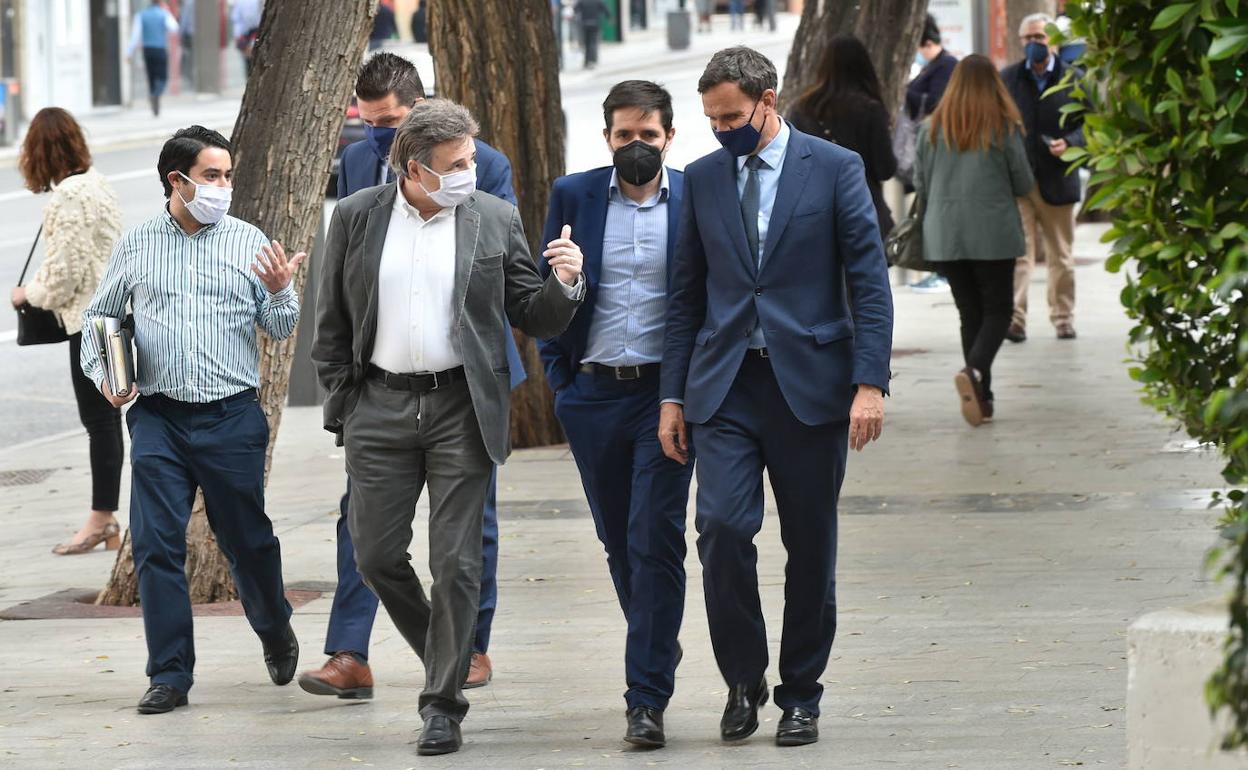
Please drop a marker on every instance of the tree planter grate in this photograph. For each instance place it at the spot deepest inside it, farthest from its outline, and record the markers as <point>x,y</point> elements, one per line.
<point>25,477</point>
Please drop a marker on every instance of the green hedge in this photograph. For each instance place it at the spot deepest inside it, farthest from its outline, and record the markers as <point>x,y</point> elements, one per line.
<point>1164,99</point>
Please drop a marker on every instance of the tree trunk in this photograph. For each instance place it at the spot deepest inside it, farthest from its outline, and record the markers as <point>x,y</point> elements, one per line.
<point>304,68</point>
<point>890,29</point>
<point>499,58</point>
<point>1015,12</point>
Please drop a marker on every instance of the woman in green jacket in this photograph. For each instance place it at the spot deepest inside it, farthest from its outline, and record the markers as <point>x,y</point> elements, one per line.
<point>970,167</point>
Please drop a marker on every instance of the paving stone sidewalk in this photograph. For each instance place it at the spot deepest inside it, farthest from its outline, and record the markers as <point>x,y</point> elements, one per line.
<point>987,578</point>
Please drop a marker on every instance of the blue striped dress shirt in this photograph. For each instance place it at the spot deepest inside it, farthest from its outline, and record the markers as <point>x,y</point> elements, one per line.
<point>196,305</point>
<point>631,304</point>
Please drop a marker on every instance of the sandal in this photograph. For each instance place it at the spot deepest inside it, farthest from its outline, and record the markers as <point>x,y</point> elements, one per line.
<point>110,536</point>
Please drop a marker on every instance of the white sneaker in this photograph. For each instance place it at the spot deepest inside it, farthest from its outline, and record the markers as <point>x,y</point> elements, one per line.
<point>932,284</point>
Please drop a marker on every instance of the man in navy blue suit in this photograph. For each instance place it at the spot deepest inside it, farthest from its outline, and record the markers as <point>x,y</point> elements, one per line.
<point>605,372</point>
<point>779,333</point>
<point>386,89</point>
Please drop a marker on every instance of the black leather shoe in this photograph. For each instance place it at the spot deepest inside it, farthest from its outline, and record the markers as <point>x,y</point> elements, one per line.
<point>797,727</point>
<point>645,727</point>
<point>282,656</point>
<point>161,699</point>
<point>440,736</point>
<point>741,714</point>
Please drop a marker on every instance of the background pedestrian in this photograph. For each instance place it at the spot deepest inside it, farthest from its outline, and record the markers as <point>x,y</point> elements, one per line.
<point>844,106</point>
<point>81,224</point>
<point>970,168</point>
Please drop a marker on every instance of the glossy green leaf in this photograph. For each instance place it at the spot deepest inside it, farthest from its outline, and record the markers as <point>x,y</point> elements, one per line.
<point>1170,15</point>
<point>1229,44</point>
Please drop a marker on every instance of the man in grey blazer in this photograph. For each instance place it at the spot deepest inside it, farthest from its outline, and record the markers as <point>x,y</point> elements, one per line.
<point>421,280</point>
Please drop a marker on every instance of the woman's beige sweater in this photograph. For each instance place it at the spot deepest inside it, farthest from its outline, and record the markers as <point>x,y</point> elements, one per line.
<point>81,224</point>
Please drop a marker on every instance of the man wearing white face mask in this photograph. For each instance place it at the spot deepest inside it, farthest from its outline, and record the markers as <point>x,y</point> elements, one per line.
<point>199,282</point>
<point>420,281</point>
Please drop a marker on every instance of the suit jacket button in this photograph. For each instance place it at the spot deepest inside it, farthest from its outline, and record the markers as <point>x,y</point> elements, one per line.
<point>758,291</point>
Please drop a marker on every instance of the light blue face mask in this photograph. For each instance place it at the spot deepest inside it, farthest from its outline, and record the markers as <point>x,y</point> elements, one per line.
<point>919,60</point>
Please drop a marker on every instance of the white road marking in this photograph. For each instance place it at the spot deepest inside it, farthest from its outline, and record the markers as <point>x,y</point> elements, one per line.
<point>120,177</point>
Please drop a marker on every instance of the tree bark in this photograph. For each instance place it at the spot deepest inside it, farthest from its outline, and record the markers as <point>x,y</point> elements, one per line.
<point>890,29</point>
<point>303,71</point>
<point>500,59</point>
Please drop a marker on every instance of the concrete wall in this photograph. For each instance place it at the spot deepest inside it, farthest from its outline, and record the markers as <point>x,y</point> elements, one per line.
<point>1171,654</point>
<point>56,66</point>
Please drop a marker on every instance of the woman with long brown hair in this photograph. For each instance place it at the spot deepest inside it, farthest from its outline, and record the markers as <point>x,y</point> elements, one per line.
<point>81,223</point>
<point>970,167</point>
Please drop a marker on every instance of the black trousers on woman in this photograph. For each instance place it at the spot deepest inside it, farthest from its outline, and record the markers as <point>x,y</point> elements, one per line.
<point>103,424</point>
<point>983,290</point>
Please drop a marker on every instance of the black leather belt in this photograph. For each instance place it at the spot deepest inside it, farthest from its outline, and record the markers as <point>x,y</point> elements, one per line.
<point>759,353</point>
<point>417,383</point>
<point>621,372</point>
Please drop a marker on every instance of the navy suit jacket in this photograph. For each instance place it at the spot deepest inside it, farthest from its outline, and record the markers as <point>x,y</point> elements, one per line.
<point>358,169</point>
<point>580,200</point>
<point>821,296</point>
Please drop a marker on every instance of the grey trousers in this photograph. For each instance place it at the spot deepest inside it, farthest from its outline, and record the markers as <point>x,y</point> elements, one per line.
<point>395,442</point>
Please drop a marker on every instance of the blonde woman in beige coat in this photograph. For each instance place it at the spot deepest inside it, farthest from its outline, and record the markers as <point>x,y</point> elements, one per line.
<point>81,223</point>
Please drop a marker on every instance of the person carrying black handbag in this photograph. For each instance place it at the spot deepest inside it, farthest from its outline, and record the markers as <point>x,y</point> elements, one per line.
<point>81,224</point>
<point>35,325</point>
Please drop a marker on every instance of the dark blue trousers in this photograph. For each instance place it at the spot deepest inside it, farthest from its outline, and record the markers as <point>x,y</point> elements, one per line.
<point>638,499</point>
<point>355,605</point>
<point>754,430</point>
<point>156,62</point>
<point>176,448</point>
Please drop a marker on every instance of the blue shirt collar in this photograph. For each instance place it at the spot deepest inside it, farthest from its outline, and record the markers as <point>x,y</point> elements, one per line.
<point>613,190</point>
<point>773,153</point>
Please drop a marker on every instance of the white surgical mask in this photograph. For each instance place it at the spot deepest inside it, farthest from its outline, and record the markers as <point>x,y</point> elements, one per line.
<point>210,203</point>
<point>455,188</point>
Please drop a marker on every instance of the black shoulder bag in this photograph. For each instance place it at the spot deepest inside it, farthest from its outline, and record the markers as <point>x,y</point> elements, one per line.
<point>36,326</point>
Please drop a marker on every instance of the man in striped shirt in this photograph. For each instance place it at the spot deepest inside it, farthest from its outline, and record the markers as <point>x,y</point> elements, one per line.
<point>198,282</point>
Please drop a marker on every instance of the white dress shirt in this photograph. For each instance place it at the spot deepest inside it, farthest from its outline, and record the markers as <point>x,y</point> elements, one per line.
<point>415,291</point>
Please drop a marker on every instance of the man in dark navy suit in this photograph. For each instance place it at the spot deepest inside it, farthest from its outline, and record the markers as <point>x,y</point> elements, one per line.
<point>605,372</point>
<point>779,333</point>
<point>386,89</point>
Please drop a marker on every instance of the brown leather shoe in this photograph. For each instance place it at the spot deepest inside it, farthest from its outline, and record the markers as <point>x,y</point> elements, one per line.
<point>480,672</point>
<point>1066,331</point>
<point>343,675</point>
<point>1016,333</point>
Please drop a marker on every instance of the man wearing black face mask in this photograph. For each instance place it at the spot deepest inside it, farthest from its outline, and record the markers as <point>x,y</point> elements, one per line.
<point>779,332</point>
<point>605,372</point>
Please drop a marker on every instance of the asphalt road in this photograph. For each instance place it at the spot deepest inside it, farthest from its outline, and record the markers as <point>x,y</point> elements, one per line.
<point>36,399</point>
